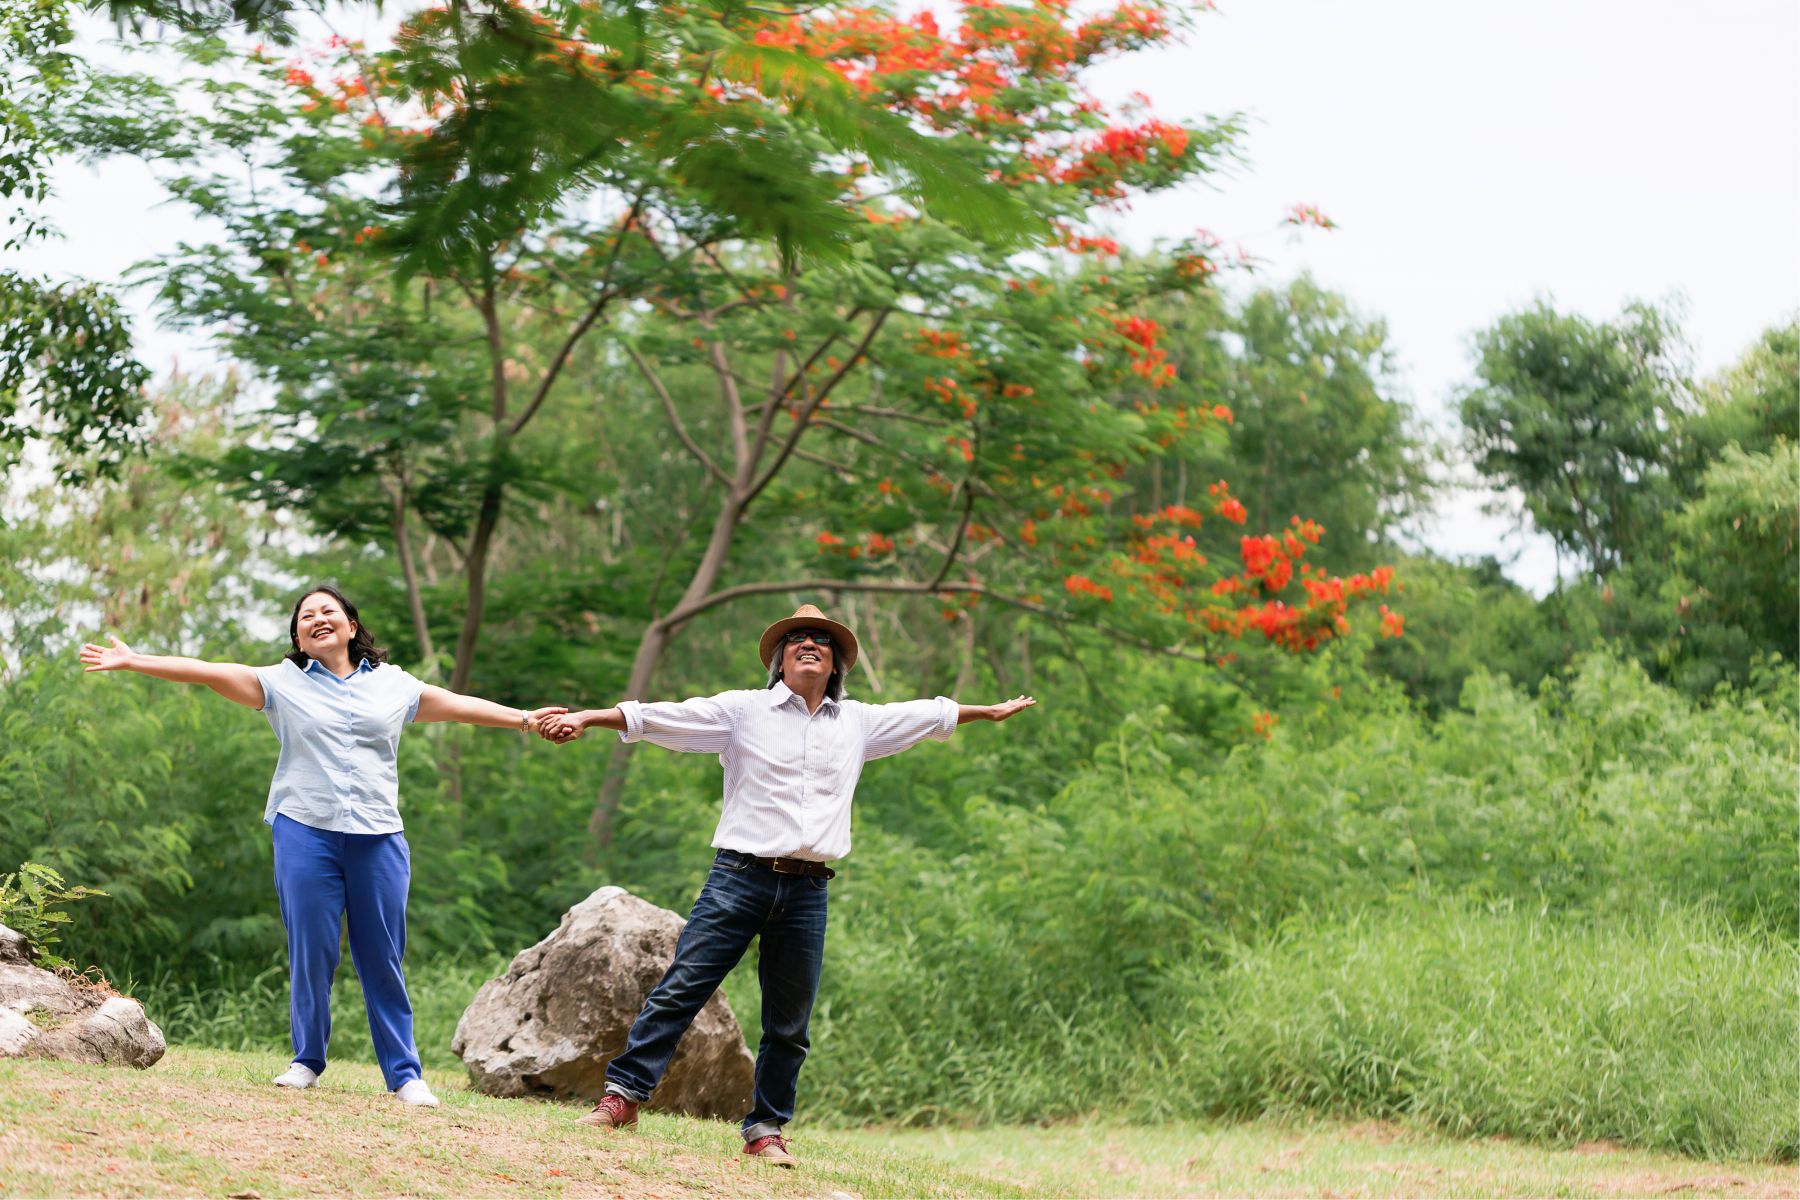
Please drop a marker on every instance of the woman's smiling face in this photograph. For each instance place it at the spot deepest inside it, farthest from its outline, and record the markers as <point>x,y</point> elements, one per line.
<point>321,626</point>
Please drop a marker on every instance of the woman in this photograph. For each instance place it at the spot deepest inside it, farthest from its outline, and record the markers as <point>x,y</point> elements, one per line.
<point>337,705</point>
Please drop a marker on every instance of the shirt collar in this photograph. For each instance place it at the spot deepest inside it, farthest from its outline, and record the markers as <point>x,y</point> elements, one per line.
<point>781,693</point>
<point>364,665</point>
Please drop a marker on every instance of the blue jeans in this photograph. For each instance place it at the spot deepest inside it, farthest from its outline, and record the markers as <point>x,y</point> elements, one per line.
<point>740,901</point>
<point>320,878</point>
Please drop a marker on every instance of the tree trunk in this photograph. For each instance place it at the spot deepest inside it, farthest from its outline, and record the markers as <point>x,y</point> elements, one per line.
<point>618,758</point>
<point>477,575</point>
<point>409,571</point>
<point>656,638</point>
<point>965,656</point>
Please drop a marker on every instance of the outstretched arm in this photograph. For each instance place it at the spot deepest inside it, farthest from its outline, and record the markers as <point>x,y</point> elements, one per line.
<point>892,728</point>
<point>234,681</point>
<point>992,712</point>
<point>441,704</point>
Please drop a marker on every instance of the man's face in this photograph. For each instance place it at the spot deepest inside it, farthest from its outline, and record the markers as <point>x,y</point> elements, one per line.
<point>806,656</point>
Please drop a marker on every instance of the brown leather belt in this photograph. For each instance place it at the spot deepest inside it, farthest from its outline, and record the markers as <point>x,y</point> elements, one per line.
<point>794,866</point>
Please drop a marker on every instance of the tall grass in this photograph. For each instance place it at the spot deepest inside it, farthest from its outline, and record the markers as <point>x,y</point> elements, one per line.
<point>1674,1031</point>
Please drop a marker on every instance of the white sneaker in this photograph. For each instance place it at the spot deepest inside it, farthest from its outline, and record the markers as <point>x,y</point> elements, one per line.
<point>414,1091</point>
<point>297,1076</point>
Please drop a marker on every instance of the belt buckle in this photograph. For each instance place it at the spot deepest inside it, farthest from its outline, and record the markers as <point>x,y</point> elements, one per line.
<point>787,866</point>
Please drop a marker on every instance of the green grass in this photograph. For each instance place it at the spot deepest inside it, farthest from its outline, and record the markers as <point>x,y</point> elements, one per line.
<point>1675,1032</point>
<point>206,1122</point>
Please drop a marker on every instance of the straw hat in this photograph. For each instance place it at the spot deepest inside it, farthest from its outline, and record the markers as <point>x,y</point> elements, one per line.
<point>808,617</point>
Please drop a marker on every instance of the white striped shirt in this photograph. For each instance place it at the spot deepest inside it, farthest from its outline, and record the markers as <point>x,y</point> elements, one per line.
<point>789,774</point>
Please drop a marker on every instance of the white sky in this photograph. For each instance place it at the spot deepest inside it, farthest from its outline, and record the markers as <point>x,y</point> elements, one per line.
<point>1476,156</point>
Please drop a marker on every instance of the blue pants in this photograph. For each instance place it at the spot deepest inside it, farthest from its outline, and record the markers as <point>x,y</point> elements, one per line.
<point>740,901</point>
<point>320,877</point>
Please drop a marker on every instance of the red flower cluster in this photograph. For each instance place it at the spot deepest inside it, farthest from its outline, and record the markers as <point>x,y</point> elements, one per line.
<point>1081,585</point>
<point>1225,505</point>
<point>1147,358</point>
<point>1102,166</point>
<point>873,545</point>
<point>947,390</point>
<point>1166,571</point>
<point>1308,214</point>
<point>943,343</point>
<point>1092,245</point>
<point>1177,514</point>
<point>1008,74</point>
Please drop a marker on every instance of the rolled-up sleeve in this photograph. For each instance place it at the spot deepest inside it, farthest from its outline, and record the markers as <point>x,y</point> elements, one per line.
<point>701,725</point>
<point>891,728</point>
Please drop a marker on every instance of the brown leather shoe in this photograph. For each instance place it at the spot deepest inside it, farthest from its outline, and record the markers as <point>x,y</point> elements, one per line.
<point>771,1149</point>
<point>613,1112</point>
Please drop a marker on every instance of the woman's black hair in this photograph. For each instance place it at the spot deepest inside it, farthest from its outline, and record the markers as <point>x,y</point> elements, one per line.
<point>362,643</point>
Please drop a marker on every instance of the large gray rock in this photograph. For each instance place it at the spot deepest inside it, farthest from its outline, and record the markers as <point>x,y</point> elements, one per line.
<point>550,1024</point>
<point>44,1016</point>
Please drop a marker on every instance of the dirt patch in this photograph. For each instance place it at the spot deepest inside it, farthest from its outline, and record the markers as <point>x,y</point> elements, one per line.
<point>1669,1183</point>
<point>1405,1168</point>
<point>1287,1160</point>
<point>1382,1133</point>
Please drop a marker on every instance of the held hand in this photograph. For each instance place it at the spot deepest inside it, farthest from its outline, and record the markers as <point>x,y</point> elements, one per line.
<point>538,716</point>
<point>116,657</point>
<point>560,729</point>
<point>1007,708</point>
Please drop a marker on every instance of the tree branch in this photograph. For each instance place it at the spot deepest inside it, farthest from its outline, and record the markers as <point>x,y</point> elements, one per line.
<point>557,363</point>
<point>688,612</point>
<point>772,405</point>
<point>668,404</point>
<point>849,474</point>
<point>868,411</point>
<point>812,405</point>
<point>734,405</point>
<point>961,528</point>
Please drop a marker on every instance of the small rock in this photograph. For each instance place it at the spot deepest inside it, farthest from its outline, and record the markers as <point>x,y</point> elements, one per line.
<point>45,1016</point>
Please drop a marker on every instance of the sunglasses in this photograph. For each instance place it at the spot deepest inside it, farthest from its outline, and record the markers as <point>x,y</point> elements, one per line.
<point>818,637</point>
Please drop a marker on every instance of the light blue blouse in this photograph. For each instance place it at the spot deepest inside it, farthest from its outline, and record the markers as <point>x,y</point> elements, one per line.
<point>340,744</point>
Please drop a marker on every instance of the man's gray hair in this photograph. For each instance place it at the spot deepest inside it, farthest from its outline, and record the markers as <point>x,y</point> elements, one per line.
<point>834,687</point>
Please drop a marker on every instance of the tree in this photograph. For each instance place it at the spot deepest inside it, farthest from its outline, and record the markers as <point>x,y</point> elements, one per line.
<point>1578,416</point>
<point>67,375</point>
<point>977,456</point>
<point>1732,579</point>
<point>417,332</point>
<point>770,223</point>
<point>1735,546</point>
<point>1754,403</point>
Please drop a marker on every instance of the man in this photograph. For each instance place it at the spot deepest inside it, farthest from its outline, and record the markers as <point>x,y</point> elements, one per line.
<point>792,752</point>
